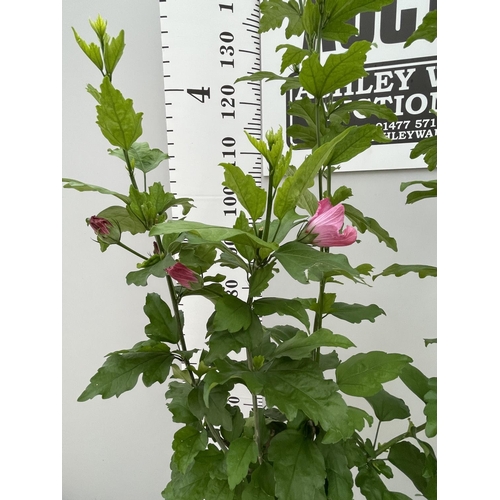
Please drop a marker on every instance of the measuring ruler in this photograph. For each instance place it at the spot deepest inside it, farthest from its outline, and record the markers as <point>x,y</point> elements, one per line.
<point>206,46</point>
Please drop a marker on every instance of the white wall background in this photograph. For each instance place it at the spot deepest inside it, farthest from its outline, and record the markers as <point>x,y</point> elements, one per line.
<point>120,448</point>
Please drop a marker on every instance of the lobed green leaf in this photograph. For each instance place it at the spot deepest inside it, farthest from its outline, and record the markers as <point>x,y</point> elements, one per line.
<point>116,117</point>
<point>364,373</point>
<point>301,345</point>
<point>402,269</point>
<point>162,326</point>
<point>338,71</point>
<point>121,370</point>
<point>427,30</point>
<point>299,466</point>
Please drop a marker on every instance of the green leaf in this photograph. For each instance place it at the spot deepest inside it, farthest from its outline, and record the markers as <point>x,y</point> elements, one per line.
<point>363,374</point>
<point>123,219</point>
<point>116,117</point>
<point>215,412</point>
<point>341,194</point>
<point>280,333</point>
<point>162,326</point>
<point>430,409</point>
<point>259,280</point>
<point>410,461</point>
<point>92,51</point>
<point>420,195</point>
<point>363,223</point>
<point>218,489</point>
<point>292,56</point>
<point>299,467</point>
<point>290,83</point>
<point>388,407</point>
<point>294,186</point>
<point>276,305</point>
<point>366,108</point>
<point>428,342</point>
<point>401,269</point>
<point>415,380</point>
<point>274,13</point>
<point>234,371</point>
<point>178,393</point>
<point>358,417</point>
<point>145,159</point>
<point>211,234</point>
<point>311,393</point>
<point>242,452</point>
<point>311,18</point>
<point>252,197</point>
<point>187,443</point>
<point>232,314</point>
<point>222,343</point>
<point>355,313</point>
<point>428,148</point>
<point>339,11</point>
<point>199,258</point>
<point>203,480</point>
<point>373,488</point>
<point>121,370</point>
<point>261,486</point>
<point>140,278</point>
<point>113,51</point>
<point>238,425</point>
<point>426,31</point>
<point>189,486</point>
<point>305,263</point>
<point>354,140</point>
<point>339,70</point>
<point>302,344</point>
<point>340,481</point>
<point>81,186</point>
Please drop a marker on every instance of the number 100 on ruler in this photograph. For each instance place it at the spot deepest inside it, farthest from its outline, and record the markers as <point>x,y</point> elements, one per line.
<point>206,46</point>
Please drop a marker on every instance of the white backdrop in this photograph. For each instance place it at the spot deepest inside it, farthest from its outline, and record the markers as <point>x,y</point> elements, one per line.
<point>120,448</point>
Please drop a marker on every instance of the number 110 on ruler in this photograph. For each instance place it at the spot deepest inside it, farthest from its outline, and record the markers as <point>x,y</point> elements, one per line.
<point>206,46</point>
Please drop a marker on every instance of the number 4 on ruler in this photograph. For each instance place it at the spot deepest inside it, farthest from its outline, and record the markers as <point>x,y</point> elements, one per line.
<point>199,94</point>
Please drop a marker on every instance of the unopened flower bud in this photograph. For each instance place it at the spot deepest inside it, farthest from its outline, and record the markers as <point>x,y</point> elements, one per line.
<point>185,276</point>
<point>105,230</point>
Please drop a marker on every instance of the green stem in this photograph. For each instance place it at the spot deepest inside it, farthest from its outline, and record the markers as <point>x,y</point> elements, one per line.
<point>175,305</point>
<point>257,436</point>
<point>269,204</point>
<point>120,244</point>
<point>399,438</point>
<point>216,436</point>
<point>130,169</point>
<point>376,433</point>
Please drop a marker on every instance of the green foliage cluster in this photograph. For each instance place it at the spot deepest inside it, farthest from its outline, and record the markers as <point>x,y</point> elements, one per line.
<point>306,441</point>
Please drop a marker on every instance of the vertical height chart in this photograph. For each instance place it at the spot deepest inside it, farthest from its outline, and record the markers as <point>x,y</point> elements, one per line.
<point>206,46</point>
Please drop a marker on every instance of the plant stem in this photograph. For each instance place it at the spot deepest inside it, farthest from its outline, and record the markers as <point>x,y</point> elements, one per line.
<point>376,433</point>
<point>255,405</point>
<point>269,203</point>
<point>395,440</point>
<point>175,305</point>
<point>120,244</point>
<point>216,436</point>
<point>130,169</point>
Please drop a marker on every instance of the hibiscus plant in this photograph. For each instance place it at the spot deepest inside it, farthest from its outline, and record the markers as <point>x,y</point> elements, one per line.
<point>303,439</point>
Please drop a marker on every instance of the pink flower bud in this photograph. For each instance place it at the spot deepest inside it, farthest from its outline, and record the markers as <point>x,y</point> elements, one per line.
<point>323,228</point>
<point>99,225</point>
<point>185,276</point>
